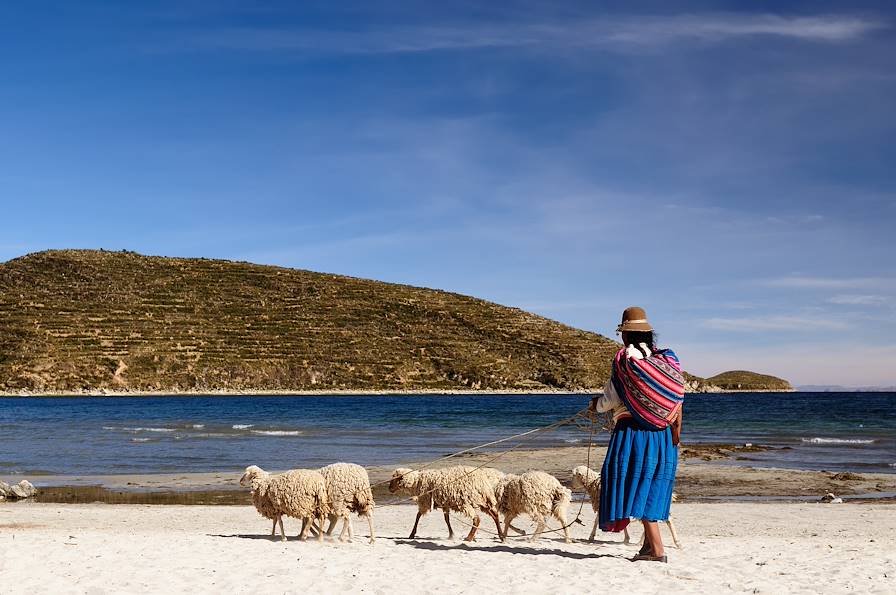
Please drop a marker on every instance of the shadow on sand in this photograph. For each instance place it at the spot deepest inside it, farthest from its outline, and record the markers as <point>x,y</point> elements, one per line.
<point>511,549</point>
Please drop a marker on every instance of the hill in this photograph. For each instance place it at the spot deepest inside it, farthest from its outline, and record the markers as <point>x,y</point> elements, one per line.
<point>748,381</point>
<point>76,320</point>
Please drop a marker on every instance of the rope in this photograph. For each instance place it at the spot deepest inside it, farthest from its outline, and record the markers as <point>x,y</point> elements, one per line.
<point>528,435</point>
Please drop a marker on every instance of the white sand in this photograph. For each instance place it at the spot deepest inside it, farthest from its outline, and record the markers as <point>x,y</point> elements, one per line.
<point>764,548</point>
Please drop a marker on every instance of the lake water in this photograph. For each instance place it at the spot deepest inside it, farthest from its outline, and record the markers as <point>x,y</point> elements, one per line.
<point>109,435</point>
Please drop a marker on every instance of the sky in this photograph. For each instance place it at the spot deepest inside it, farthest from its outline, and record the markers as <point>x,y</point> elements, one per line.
<point>729,166</point>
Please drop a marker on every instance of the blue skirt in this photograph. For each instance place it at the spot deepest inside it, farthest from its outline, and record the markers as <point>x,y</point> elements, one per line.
<point>637,476</point>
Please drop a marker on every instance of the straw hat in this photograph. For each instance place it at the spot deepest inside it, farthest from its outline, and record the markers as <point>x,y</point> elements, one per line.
<point>634,319</point>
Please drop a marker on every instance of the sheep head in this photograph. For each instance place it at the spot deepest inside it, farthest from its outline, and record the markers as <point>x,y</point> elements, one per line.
<point>582,476</point>
<point>252,474</point>
<point>402,479</point>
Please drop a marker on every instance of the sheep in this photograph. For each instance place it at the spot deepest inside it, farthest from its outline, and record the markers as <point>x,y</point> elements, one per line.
<point>460,489</point>
<point>536,494</point>
<point>348,490</point>
<point>494,477</point>
<point>588,480</point>
<point>300,493</point>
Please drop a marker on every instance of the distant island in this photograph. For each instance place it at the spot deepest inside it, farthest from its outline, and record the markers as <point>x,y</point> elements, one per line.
<point>88,321</point>
<point>742,380</point>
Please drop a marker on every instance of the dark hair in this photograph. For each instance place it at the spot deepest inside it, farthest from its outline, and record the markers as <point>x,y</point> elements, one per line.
<point>637,337</point>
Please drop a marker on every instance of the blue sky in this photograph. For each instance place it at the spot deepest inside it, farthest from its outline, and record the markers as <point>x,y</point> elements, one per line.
<point>728,165</point>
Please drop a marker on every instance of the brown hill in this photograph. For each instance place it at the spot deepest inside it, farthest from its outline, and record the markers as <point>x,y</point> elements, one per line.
<point>88,320</point>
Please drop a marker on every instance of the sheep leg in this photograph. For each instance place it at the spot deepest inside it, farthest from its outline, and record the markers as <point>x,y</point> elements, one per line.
<point>472,535</point>
<point>312,527</point>
<point>333,519</point>
<point>416,522</point>
<point>628,538</point>
<point>494,516</point>
<point>282,530</point>
<point>320,534</point>
<point>448,522</point>
<point>561,516</point>
<point>539,527</point>
<point>507,525</point>
<point>593,529</point>
<point>369,516</point>
<point>306,524</point>
<point>520,531</point>
<point>673,532</point>
<point>274,528</point>
<point>346,528</point>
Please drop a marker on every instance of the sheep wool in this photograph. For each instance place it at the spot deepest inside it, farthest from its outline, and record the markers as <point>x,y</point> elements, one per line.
<point>300,493</point>
<point>588,480</point>
<point>534,493</point>
<point>462,489</point>
<point>348,491</point>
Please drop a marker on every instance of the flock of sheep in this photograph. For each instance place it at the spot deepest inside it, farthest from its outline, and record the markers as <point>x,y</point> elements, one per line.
<point>336,491</point>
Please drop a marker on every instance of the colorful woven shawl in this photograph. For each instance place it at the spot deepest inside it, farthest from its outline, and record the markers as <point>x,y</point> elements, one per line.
<point>651,388</point>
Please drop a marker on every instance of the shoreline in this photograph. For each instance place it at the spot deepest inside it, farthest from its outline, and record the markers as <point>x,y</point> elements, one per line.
<point>703,475</point>
<point>341,393</point>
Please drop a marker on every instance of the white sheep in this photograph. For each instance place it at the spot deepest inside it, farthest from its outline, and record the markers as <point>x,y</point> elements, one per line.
<point>348,490</point>
<point>588,480</point>
<point>460,489</point>
<point>536,494</point>
<point>494,477</point>
<point>300,493</point>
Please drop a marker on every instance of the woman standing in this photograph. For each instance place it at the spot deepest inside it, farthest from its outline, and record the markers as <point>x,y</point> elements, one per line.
<point>645,394</point>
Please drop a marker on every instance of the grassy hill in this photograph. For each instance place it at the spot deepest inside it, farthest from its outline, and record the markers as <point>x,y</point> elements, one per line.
<point>88,320</point>
<point>747,381</point>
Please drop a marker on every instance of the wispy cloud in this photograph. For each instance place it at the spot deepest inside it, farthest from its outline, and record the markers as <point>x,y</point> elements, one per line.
<point>620,33</point>
<point>800,364</point>
<point>801,282</point>
<point>773,323</point>
<point>859,300</point>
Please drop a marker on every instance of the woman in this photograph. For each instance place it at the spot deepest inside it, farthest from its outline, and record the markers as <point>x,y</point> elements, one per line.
<point>645,396</point>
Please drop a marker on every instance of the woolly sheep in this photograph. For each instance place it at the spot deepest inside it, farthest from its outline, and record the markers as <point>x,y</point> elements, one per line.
<point>348,490</point>
<point>588,480</point>
<point>300,493</point>
<point>536,494</point>
<point>460,489</point>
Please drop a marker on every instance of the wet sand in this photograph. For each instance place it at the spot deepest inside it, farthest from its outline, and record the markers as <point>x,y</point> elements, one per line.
<point>705,473</point>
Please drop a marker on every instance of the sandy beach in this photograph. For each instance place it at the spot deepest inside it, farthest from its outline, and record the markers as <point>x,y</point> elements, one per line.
<point>727,547</point>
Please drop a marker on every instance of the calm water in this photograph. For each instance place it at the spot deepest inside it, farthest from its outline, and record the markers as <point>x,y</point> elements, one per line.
<point>101,435</point>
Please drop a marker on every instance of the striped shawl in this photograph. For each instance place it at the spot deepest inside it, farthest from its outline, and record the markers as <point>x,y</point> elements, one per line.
<point>651,388</point>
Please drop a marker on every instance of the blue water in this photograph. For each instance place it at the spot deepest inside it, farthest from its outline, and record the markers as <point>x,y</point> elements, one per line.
<point>103,435</point>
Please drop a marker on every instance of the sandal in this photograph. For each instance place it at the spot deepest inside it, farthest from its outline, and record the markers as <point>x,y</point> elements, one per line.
<point>650,558</point>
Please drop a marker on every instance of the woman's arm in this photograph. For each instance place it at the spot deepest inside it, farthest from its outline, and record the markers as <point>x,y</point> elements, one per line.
<point>676,426</point>
<point>606,401</point>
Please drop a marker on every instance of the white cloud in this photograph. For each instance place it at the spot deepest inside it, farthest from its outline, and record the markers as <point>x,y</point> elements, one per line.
<point>772,323</point>
<point>859,300</point>
<point>801,282</point>
<point>619,33</point>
